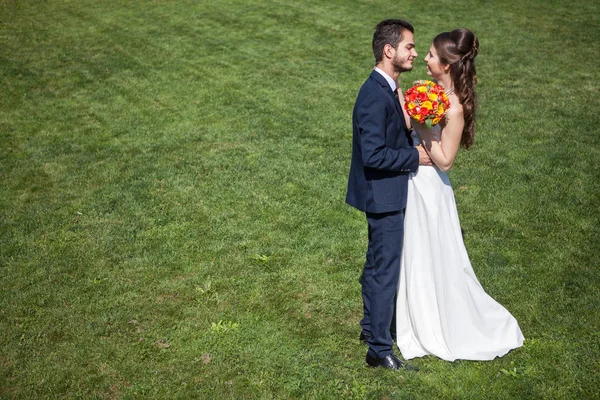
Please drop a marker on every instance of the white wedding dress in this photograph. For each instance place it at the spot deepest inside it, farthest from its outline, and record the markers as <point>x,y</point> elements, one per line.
<point>442,309</point>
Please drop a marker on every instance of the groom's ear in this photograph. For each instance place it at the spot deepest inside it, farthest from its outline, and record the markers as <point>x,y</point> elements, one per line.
<point>387,51</point>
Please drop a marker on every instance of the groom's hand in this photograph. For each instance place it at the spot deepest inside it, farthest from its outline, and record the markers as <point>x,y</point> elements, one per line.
<point>423,156</point>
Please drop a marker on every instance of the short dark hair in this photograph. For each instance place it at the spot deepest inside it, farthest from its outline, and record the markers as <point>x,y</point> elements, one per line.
<point>389,31</point>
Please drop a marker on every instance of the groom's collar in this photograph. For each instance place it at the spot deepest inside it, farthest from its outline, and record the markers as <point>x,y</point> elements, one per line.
<point>389,80</point>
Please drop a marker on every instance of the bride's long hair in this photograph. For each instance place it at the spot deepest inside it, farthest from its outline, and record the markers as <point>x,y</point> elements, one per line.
<point>459,49</point>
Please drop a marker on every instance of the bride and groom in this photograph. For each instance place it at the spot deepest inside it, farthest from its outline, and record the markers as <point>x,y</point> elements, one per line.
<point>418,284</point>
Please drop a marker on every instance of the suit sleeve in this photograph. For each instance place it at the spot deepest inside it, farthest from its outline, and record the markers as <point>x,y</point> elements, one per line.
<point>373,118</point>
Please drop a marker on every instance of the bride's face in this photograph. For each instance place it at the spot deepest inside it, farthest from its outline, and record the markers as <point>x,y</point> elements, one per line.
<point>435,68</point>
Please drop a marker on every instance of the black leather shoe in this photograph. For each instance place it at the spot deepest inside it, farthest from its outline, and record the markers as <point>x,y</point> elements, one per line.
<point>390,361</point>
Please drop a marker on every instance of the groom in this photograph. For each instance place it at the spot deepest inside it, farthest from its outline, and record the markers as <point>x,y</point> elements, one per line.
<point>382,158</point>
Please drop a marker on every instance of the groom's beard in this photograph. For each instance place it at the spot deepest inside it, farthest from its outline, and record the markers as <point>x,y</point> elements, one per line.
<point>400,68</point>
<point>401,65</point>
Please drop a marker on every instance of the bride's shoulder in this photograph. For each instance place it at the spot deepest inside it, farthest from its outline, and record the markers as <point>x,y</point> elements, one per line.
<point>456,109</point>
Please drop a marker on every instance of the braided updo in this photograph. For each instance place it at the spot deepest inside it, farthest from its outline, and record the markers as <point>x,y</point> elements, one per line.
<point>459,49</point>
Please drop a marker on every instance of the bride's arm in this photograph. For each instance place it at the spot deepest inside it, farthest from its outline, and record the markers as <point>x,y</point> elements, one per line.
<point>443,152</point>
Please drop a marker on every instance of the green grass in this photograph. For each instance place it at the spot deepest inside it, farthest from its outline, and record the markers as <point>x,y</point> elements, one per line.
<point>173,177</point>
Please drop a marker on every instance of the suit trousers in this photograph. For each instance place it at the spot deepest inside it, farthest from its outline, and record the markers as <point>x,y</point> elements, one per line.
<point>380,279</point>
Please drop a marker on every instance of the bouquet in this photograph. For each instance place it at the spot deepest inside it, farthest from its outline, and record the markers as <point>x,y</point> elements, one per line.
<point>426,102</point>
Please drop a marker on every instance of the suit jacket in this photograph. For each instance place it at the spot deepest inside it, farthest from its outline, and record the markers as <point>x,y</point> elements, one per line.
<point>382,152</point>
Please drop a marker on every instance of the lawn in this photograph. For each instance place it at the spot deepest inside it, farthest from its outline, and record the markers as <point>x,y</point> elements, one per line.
<point>173,176</point>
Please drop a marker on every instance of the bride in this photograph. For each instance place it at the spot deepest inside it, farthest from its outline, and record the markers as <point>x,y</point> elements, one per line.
<point>442,309</point>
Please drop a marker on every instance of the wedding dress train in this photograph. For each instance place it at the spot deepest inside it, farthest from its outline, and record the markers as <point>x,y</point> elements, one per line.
<point>442,309</point>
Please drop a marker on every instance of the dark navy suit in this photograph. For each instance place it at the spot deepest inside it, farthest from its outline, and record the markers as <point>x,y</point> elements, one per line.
<point>382,158</point>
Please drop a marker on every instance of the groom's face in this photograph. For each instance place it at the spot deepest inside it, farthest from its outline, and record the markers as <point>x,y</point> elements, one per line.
<point>405,53</point>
